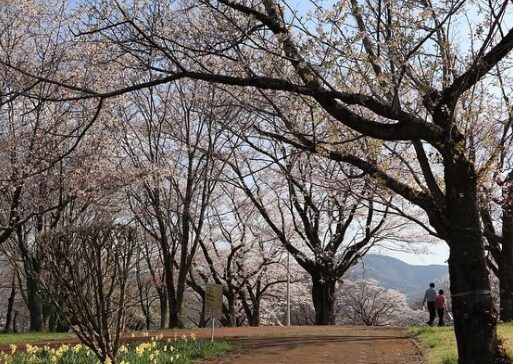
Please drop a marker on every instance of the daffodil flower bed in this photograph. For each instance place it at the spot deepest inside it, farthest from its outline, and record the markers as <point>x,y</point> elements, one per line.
<point>157,351</point>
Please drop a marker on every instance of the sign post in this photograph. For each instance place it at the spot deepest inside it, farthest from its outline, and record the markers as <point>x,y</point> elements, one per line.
<point>213,304</point>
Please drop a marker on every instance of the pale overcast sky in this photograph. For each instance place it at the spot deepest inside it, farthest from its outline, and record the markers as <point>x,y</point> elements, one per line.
<point>438,254</point>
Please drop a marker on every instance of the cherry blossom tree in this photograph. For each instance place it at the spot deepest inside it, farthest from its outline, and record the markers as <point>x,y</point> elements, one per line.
<point>241,257</point>
<point>364,65</point>
<point>169,139</point>
<point>365,302</point>
<point>326,226</point>
<point>389,73</point>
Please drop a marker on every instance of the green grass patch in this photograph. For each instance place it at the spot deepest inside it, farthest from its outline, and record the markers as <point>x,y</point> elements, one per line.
<point>441,342</point>
<point>34,336</point>
<point>156,351</point>
<point>201,349</point>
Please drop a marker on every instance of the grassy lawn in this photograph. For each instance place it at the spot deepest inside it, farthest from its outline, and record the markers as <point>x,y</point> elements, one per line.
<point>441,342</point>
<point>34,336</point>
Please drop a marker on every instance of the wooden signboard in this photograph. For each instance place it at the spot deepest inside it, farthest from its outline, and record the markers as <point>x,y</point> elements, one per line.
<point>213,301</point>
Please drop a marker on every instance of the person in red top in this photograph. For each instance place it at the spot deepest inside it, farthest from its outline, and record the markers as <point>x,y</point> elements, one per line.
<point>441,307</point>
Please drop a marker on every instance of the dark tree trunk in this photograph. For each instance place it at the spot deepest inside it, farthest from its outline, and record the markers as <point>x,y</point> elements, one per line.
<point>10,305</point>
<point>47,311</point>
<point>203,319</point>
<point>506,263</point>
<point>34,305</point>
<point>148,320</point>
<point>15,322</point>
<point>506,284</point>
<point>163,308</point>
<point>174,320</point>
<point>251,306</point>
<point>231,317</point>
<point>57,323</point>
<point>475,318</point>
<point>323,296</point>
<point>254,318</point>
<point>177,310</point>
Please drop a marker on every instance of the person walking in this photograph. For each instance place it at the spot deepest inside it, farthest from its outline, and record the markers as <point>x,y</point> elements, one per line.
<point>429,298</point>
<point>441,307</point>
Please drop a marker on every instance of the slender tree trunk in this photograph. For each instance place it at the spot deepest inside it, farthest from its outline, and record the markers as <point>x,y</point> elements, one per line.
<point>34,303</point>
<point>56,323</point>
<point>10,304</point>
<point>178,307</point>
<point>46,312</point>
<point>323,296</point>
<point>475,318</point>
<point>254,318</point>
<point>163,309</point>
<point>231,313</point>
<point>147,319</point>
<point>173,312</point>
<point>203,319</point>
<point>15,322</point>
<point>172,302</point>
<point>506,264</point>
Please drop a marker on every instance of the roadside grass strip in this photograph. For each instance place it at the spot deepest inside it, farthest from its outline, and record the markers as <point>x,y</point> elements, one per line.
<point>441,342</point>
<point>6,339</point>
<point>158,350</point>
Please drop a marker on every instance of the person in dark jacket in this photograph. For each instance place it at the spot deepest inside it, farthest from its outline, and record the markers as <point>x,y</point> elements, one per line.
<point>430,297</point>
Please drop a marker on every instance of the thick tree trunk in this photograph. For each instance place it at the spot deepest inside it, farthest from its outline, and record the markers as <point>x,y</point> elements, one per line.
<point>475,318</point>
<point>506,263</point>
<point>10,304</point>
<point>506,284</point>
<point>323,296</point>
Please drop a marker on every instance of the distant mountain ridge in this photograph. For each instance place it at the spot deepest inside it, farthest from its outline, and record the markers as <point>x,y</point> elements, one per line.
<point>390,272</point>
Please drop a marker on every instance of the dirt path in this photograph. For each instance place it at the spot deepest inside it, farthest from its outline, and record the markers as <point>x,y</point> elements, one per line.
<point>325,345</point>
<point>298,345</point>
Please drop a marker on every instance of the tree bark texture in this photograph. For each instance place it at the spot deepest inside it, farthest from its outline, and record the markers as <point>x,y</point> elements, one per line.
<point>475,318</point>
<point>10,305</point>
<point>163,308</point>
<point>506,263</point>
<point>34,304</point>
<point>323,295</point>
